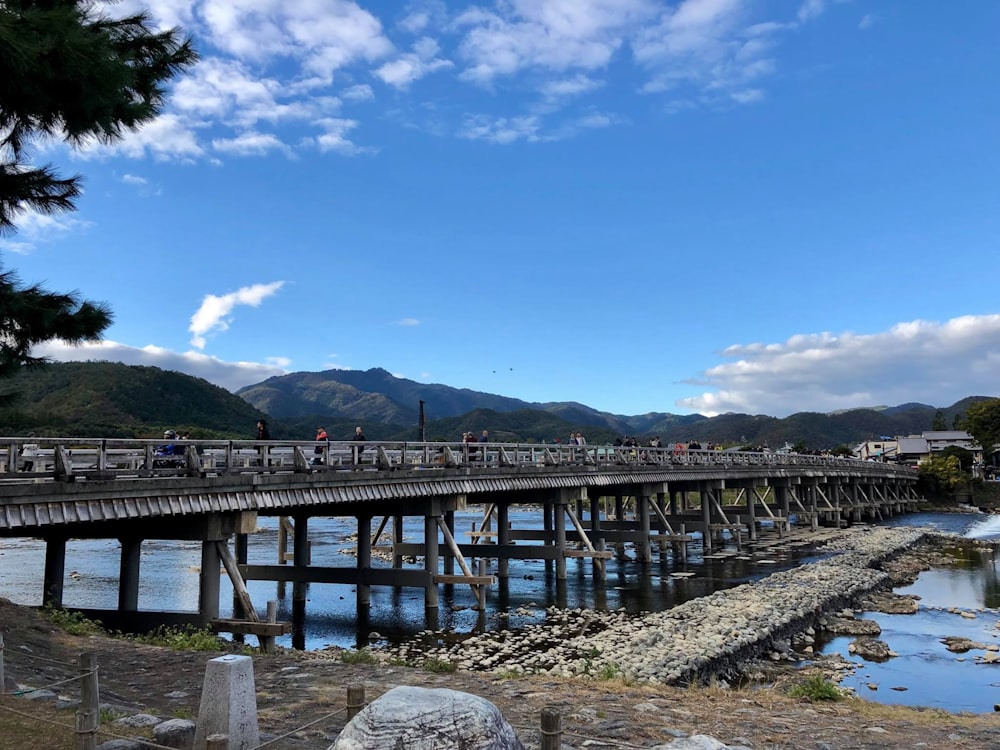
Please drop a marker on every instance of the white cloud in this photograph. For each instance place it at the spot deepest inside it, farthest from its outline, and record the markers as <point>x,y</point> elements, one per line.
<point>408,322</point>
<point>867,21</point>
<point>421,16</point>
<point>35,229</point>
<point>551,35</point>
<point>251,144</point>
<point>131,179</point>
<point>708,45</point>
<point>213,315</point>
<point>229,375</point>
<point>567,87</point>
<point>334,138</point>
<point>359,93</point>
<point>501,130</point>
<point>412,66</point>
<point>811,9</point>
<point>930,362</point>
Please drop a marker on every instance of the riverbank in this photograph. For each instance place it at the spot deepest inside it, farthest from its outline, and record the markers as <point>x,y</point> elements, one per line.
<point>602,710</point>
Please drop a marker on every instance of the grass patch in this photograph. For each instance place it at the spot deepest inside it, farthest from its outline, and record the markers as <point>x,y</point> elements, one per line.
<point>439,666</point>
<point>816,688</point>
<point>73,623</point>
<point>361,656</point>
<point>185,638</point>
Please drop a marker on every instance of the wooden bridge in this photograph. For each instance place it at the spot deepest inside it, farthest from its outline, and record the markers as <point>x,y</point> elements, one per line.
<point>595,502</point>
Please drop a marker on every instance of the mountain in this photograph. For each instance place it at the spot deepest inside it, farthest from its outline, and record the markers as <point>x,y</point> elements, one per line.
<point>110,399</point>
<point>368,395</point>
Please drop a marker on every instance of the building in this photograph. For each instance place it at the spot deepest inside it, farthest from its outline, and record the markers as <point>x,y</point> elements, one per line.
<point>914,449</point>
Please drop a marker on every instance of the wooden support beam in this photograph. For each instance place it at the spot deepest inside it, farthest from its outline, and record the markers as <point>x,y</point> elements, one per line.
<point>593,553</point>
<point>239,585</point>
<point>470,579</point>
<point>246,627</point>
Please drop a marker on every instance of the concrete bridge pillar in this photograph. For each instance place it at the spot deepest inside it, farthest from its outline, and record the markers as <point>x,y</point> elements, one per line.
<point>619,519</point>
<point>559,506</point>
<point>208,588</point>
<point>397,539</point>
<point>597,536</point>
<point>431,556</point>
<point>706,516</point>
<point>128,575</point>
<point>364,589</point>
<point>449,558</point>
<point>503,537</point>
<point>642,510</point>
<point>55,572</point>
<point>300,559</point>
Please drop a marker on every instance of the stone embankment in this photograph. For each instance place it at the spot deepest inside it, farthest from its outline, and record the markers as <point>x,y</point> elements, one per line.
<point>702,638</point>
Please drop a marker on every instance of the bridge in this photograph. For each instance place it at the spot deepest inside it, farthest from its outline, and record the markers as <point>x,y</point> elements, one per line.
<point>595,502</point>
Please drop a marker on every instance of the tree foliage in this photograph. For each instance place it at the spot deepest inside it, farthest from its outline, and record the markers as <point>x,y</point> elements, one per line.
<point>942,476</point>
<point>70,73</point>
<point>982,421</point>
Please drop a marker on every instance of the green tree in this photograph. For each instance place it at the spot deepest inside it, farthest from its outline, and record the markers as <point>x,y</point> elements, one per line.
<point>982,421</point>
<point>941,477</point>
<point>939,423</point>
<point>68,72</point>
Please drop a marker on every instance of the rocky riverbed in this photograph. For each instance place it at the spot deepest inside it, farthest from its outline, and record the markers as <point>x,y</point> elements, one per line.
<point>613,677</point>
<point>712,636</point>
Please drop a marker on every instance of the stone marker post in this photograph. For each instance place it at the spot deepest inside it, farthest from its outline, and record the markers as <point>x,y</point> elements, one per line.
<point>228,703</point>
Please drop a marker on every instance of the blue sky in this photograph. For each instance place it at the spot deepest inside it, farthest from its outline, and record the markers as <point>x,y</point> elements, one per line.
<point>641,205</point>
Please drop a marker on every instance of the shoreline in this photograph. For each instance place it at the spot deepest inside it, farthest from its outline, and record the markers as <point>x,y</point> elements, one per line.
<point>698,640</point>
<point>599,710</point>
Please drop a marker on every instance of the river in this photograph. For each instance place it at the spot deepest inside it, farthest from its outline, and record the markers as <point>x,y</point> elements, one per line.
<point>931,675</point>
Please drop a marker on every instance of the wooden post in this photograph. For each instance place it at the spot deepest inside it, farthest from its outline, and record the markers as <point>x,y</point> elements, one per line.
<point>217,742</point>
<point>551,729</point>
<point>355,700</point>
<point>88,715</point>
<point>481,588</point>
<point>267,641</point>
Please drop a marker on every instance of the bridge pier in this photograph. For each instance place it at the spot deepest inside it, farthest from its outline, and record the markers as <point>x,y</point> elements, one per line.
<point>208,581</point>
<point>128,574</point>
<point>55,571</point>
<point>503,537</point>
<point>431,560</point>
<point>363,588</point>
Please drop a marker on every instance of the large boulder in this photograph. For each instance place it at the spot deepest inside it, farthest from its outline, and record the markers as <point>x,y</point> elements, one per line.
<point>413,718</point>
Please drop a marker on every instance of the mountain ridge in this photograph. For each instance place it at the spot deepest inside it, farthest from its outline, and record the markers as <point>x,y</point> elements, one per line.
<point>117,400</point>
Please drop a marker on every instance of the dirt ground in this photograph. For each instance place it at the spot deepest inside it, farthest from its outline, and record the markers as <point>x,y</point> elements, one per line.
<point>303,695</point>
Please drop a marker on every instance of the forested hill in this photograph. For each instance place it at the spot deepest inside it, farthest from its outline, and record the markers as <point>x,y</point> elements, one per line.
<point>110,399</point>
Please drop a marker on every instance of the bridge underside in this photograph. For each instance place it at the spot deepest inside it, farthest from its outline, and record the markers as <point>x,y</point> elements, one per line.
<point>642,515</point>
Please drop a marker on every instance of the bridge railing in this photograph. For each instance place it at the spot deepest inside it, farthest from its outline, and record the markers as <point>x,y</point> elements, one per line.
<point>69,459</point>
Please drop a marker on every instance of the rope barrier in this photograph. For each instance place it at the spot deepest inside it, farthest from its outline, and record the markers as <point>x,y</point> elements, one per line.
<point>53,684</point>
<point>299,729</point>
<point>17,654</point>
<point>35,717</point>
<point>146,743</point>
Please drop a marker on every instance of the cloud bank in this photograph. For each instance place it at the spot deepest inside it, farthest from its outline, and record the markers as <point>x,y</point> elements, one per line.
<point>924,361</point>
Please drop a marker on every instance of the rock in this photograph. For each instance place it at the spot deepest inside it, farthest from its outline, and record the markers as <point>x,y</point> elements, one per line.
<point>870,649</point>
<point>694,742</point>
<point>138,720</point>
<point>123,744</point>
<point>959,645</point>
<point>851,626</point>
<point>426,719</point>
<point>177,733</point>
<point>892,604</point>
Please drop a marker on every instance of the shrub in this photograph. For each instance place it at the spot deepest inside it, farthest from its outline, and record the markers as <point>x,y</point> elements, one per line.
<point>816,688</point>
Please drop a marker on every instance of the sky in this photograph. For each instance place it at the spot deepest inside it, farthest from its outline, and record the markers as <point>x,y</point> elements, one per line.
<point>757,206</point>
